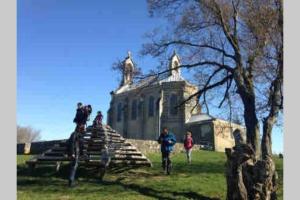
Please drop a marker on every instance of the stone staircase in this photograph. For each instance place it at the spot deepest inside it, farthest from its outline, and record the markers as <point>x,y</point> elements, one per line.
<point>121,153</point>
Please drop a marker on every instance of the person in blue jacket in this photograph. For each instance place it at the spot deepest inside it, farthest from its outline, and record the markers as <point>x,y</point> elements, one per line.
<point>167,141</point>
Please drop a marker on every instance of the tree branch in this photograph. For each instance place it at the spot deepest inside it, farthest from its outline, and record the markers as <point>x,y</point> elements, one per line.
<point>231,39</point>
<point>188,66</point>
<point>206,88</point>
<point>226,93</point>
<point>180,42</point>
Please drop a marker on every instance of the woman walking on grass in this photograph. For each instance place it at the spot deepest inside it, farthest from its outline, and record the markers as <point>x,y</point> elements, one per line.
<point>188,145</point>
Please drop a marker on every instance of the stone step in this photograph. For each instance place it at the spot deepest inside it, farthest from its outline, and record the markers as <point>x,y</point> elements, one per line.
<point>122,152</point>
<point>59,149</point>
<point>97,139</point>
<point>98,147</point>
<point>53,158</point>
<point>128,160</point>
<point>107,142</point>
<point>131,162</point>
<point>85,142</point>
<point>137,158</point>
<point>91,133</point>
<point>92,163</point>
<point>98,134</point>
<point>126,149</point>
<point>108,138</point>
<point>54,153</point>
<point>36,162</point>
<point>94,152</point>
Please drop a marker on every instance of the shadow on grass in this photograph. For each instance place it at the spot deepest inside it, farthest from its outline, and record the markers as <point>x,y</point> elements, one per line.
<point>23,172</point>
<point>165,194</point>
<point>195,168</point>
<point>46,179</point>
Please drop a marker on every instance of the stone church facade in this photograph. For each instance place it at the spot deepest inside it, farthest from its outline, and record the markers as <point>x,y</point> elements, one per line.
<point>140,110</point>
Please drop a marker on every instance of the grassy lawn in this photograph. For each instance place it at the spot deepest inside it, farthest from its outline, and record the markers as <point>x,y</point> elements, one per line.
<point>203,179</point>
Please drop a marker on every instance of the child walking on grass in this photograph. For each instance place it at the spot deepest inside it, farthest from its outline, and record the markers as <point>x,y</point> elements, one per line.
<point>188,145</point>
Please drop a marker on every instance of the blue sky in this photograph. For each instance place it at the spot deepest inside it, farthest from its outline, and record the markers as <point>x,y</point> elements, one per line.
<point>65,49</point>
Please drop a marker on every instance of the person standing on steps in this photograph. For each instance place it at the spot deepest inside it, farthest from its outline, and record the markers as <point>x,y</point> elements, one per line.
<point>74,164</point>
<point>75,142</point>
<point>76,136</point>
<point>80,118</point>
<point>167,141</point>
<point>98,120</point>
<point>188,145</point>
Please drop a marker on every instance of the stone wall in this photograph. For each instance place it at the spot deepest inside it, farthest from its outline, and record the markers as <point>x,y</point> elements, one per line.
<point>223,137</point>
<point>151,146</point>
<point>145,146</point>
<point>36,147</point>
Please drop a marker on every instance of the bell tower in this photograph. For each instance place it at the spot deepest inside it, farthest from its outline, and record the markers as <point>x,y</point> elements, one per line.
<point>128,69</point>
<point>174,64</point>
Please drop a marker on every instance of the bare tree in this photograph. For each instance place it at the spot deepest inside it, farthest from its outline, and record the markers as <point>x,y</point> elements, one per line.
<point>27,134</point>
<point>238,46</point>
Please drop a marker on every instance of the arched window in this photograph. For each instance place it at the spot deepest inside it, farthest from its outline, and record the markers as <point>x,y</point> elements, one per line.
<point>173,104</point>
<point>151,106</point>
<point>157,106</point>
<point>119,112</point>
<point>134,110</point>
<point>140,109</point>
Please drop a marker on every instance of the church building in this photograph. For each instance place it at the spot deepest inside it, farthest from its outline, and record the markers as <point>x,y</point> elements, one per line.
<point>139,110</point>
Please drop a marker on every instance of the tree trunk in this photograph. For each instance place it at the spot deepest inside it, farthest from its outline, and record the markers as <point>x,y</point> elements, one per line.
<point>236,189</point>
<point>266,143</point>
<point>245,90</point>
<point>252,124</point>
<point>266,146</point>
<point>247,178</point>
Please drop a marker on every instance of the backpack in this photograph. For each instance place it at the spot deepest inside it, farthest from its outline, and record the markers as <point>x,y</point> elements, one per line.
<point>88,110</point>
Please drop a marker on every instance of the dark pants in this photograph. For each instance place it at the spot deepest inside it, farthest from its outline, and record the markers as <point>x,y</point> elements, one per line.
<point>165,156</point>
<point>74,163</point>
<point>75,137</point>
<point>80,128</point>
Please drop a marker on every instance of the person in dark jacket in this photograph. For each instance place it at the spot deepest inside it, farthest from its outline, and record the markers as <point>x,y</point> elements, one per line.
<point>75,142</point>
<point>80,118</point>
<point>167,141</point>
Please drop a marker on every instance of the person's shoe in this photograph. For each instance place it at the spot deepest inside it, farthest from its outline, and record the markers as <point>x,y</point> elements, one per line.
<point>84,157</point>
<point>71,184</point>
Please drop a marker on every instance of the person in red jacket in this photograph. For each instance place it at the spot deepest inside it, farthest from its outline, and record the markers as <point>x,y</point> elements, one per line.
<point>98,120</point>
<point>188,145</point>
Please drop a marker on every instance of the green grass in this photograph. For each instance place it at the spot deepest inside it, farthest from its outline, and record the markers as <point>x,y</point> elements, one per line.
<point>203,179</point>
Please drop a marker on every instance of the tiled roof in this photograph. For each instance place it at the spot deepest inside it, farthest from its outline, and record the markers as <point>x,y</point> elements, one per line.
<point>200,118</point>
<point>152,80</point>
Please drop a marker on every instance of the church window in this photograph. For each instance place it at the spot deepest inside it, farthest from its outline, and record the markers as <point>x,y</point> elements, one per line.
<point>173,104</point>
<point>119,112</point>
<point>205,130</point>
<point>134,110</point>
<point>140,109</point>
<point>157,104</point>
<point>151,106</point>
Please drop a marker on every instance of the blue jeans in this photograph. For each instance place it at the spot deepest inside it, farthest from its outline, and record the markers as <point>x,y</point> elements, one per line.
<point>189,155</point>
